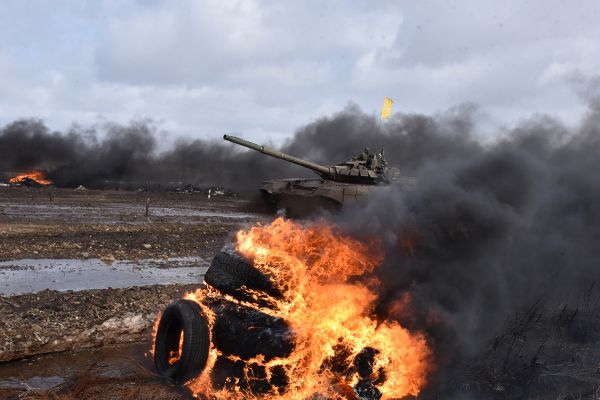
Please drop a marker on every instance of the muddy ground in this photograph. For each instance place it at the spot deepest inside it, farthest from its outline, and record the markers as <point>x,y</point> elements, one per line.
<point>111,372</point>
<point>52,321</point>
<point>47,224</point>
<point>64,223</point>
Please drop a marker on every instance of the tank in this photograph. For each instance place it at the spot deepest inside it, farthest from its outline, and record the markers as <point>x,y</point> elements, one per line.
<point>346,182</point>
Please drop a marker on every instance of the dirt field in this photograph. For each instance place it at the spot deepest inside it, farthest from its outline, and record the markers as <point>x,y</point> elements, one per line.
<point>47,225</point>
<point>62,223</point>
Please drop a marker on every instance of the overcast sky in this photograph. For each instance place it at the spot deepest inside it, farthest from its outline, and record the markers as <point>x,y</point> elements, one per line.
<point>263,69</point>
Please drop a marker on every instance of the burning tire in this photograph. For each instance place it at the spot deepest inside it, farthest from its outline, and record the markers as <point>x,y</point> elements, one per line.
<point>230,274</point>
<point>182,341</point>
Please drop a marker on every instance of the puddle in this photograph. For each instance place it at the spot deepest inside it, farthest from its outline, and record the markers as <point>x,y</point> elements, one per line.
<point>189,212</point>
<point>113,212</point>
<point>34,275</point>
<point>35,382</point>
<point>46,372</point>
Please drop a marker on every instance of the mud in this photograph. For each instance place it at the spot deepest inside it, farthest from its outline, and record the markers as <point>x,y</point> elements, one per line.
<point>62,223</point>
<point>111,267</point>
<point>52,321</point>
<point>118,372</point>
<point>49,371</point>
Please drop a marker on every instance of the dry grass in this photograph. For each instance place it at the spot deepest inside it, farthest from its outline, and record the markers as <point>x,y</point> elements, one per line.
<point>543,354</point>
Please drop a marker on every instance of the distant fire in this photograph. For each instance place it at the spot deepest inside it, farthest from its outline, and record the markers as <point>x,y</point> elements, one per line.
<point>329,295</point>
<point>36,176</point>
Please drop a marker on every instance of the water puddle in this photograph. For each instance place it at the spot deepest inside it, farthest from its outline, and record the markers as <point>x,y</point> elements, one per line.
<point>49,371</point>
<point>113,212</point>
<point>189,212</point>
<point>34,275</point>
<point>35,382</point>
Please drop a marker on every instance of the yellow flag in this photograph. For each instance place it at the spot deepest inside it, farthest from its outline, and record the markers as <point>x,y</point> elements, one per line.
<point>386,110</point>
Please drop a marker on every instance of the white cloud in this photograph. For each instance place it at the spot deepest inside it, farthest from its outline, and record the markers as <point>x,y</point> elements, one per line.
<point>265,68</point>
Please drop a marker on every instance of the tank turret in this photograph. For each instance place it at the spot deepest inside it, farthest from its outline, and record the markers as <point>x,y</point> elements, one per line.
<point>365,168</point>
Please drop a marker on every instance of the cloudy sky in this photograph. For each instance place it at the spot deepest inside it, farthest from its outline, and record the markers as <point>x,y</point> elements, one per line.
<point>265,68</point>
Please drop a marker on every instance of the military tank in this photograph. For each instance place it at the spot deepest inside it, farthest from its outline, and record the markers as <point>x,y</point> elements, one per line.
<point>346,182</point>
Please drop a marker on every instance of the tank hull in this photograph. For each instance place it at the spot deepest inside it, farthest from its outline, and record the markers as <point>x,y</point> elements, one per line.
<point>301,197</point>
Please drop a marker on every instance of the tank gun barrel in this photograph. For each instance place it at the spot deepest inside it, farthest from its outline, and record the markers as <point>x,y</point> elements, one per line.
<point>320,169</point>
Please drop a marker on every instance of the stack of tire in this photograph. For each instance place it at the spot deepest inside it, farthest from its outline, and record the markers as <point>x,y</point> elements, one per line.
<point>239,332</point>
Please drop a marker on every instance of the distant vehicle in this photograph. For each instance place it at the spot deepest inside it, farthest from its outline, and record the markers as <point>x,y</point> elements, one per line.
<point>339,184</point>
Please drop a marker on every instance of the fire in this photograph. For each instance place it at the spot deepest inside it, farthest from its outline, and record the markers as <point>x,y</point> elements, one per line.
<point>36,176</point>
<point>328,300</point>
<point>174,356</point>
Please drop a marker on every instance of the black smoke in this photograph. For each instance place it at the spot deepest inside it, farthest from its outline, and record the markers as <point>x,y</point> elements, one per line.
<point>115,154</point>
<point>102,156</point>
<point>498,247</point>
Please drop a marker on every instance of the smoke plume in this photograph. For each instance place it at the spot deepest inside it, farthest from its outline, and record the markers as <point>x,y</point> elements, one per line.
<point>101,156</point>
<point>497,247</point>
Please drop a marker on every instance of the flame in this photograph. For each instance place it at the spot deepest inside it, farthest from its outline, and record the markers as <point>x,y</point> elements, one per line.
<point>328,300</point>
<point>175,355</point>
<point>37,176</point>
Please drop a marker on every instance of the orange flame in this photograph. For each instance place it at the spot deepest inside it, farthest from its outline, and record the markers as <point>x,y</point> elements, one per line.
<point>174,356</point>
<point>328,300</point>
<point>36,176</point>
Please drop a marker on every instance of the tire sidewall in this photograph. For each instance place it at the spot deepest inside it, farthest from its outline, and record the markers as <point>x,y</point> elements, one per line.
<point>182,316</point>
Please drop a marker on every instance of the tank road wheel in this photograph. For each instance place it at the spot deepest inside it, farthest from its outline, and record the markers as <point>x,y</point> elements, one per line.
<point>182,341</point>
<point>229,271</point>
